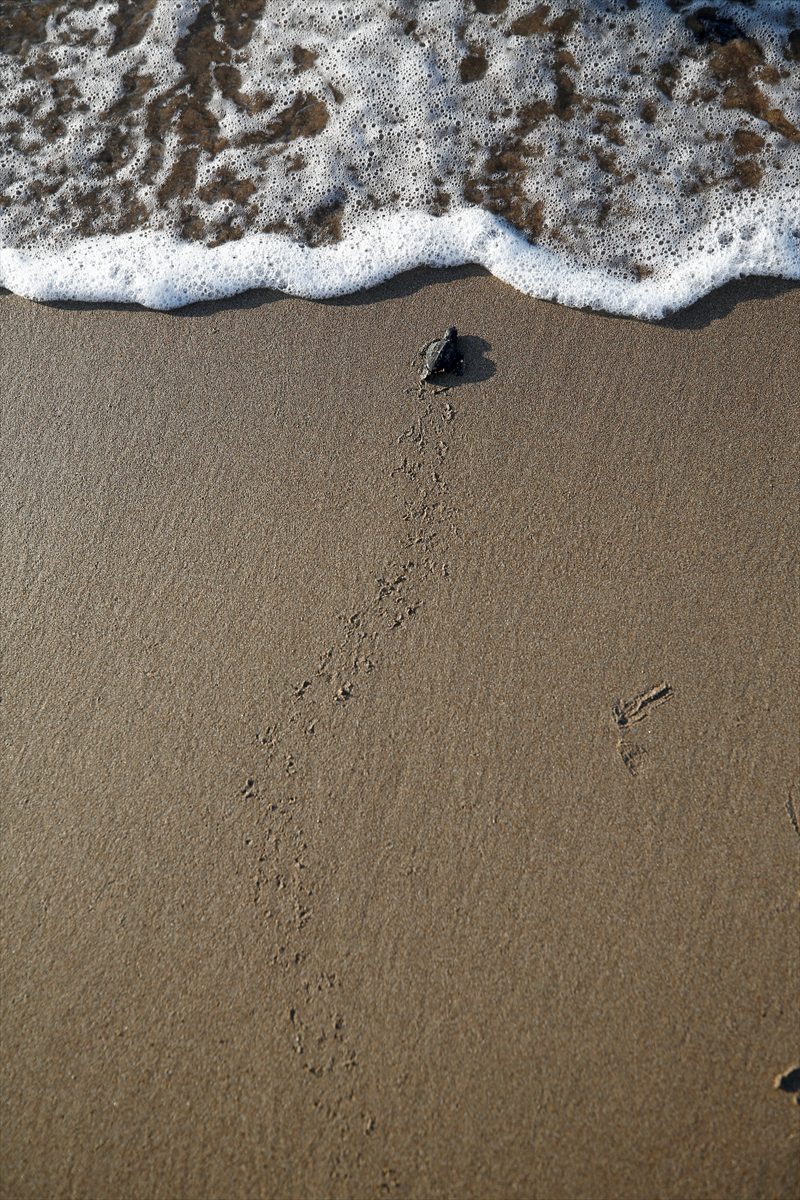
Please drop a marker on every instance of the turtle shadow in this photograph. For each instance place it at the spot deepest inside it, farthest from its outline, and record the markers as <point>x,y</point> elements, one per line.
<point>477,364</point>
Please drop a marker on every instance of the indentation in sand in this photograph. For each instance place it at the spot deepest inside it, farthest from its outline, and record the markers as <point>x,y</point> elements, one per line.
<point>791,812</point>
<point>627,713</point>
<point>284,880</point>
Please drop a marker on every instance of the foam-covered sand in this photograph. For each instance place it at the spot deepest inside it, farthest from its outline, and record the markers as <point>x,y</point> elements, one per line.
<point>159,271</point>
<point>624,157</point>
<point>401,791</point>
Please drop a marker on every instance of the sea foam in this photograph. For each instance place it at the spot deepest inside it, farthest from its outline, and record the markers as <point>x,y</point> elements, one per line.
<point>624,156</point>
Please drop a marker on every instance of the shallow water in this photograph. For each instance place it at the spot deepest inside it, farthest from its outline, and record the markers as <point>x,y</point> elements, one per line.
<point>628,156</point>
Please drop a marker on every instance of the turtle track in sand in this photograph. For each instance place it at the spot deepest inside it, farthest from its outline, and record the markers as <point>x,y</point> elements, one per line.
<point>280,807</point>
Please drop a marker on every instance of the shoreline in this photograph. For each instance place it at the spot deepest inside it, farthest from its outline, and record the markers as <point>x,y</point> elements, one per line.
<point>713,305</point>
<point>163,273</point>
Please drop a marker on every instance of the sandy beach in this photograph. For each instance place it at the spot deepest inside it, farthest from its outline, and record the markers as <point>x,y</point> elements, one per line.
<point>401,787</point>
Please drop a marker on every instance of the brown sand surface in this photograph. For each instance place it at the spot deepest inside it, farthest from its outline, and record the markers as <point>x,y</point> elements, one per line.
<point>327,870</point>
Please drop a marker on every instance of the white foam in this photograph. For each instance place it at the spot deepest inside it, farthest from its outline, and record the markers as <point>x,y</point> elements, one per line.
<point>162,272</point>
<point>637,213</point>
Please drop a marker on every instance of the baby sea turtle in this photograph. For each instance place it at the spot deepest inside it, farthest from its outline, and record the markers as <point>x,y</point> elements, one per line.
<point>442,356</point>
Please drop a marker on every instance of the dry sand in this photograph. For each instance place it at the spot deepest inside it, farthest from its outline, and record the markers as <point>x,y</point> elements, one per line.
<point>327,869</point>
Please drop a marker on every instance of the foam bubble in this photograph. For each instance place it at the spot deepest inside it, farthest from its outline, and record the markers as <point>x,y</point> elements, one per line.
<point>622,156</point>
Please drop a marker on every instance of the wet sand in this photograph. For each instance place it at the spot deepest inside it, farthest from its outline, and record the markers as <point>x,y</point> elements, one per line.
<point>342,855</point>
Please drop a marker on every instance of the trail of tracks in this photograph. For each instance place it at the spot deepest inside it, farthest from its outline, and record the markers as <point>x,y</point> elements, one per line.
<point>279,795</point>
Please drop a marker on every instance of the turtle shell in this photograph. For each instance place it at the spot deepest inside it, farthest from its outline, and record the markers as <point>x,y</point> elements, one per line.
<point>442,355</point>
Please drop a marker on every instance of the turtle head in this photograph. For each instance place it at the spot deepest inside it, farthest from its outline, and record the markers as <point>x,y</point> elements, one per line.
<point>450,334</point>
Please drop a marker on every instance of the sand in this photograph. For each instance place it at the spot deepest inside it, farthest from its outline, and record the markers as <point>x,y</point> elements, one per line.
<point>342,855</point>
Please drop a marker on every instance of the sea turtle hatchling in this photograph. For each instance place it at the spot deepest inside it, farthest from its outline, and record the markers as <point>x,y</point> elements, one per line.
<point>442,356</point>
